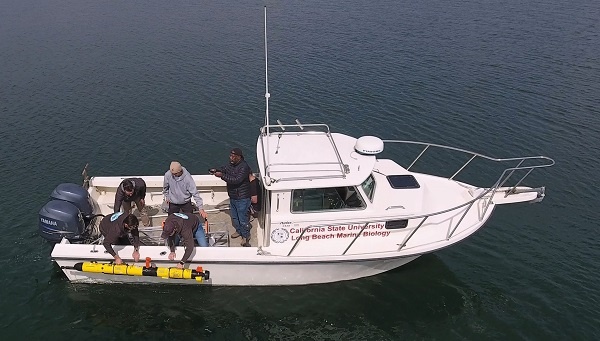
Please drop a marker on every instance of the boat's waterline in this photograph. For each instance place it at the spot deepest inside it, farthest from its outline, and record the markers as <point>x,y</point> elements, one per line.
<point>240,273</point>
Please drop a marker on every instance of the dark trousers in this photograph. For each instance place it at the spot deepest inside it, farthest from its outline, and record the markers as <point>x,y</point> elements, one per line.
<point>238,208</point>
<point>184,208</point>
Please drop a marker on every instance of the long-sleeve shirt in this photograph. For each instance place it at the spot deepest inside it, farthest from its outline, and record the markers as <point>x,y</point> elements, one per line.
<point>139,192</point>
<point>185,225</point>
<point>112,229</point>
<point>181,189</point>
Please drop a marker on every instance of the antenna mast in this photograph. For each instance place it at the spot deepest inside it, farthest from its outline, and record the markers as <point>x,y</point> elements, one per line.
<point>267,94</point>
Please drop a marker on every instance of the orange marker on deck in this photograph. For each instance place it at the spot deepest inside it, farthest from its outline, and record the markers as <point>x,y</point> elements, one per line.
<point>148,260</point>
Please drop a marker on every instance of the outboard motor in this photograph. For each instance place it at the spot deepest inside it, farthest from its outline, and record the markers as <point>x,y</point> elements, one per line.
<point>60,219</point>
<point>76,195</point>
<point>67,214</point>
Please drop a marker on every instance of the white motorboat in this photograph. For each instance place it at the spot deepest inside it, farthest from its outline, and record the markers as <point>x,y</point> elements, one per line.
<point>332,210</point>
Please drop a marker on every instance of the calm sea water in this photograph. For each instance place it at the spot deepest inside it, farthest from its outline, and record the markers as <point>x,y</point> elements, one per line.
<point>130,85</point>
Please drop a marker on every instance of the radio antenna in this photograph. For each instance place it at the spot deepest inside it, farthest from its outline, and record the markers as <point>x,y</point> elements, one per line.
<point>267,94</point>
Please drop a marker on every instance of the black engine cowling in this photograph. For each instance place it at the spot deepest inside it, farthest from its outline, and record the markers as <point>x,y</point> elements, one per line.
<point>66,215</point>
<point>76,195</point>
<point>60,219</point>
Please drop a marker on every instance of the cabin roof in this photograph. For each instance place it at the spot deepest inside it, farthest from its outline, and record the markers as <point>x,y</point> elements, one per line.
<point>310,159</point>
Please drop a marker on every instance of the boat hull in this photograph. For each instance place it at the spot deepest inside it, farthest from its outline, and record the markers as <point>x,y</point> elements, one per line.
<point>253,273</point>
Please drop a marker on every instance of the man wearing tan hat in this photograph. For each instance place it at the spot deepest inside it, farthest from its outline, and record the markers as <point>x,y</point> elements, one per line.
<point>179,188</point>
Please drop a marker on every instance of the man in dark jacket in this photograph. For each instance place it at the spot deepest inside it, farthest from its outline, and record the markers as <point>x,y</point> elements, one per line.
<point>116,229</point>
<point>186,226</point>
<point>235,174</point>
<point>132,190</point>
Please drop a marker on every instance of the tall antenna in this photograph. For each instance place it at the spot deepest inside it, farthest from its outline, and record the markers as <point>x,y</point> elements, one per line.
<point>267,94</point>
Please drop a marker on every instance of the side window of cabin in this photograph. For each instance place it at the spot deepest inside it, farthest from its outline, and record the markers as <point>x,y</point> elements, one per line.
<point>323,199</point>
<point>369,187</point>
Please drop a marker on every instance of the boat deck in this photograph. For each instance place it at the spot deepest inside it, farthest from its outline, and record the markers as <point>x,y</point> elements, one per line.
<point>219,221</point>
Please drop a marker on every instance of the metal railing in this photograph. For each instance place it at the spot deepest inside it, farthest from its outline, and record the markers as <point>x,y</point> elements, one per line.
<point>541,162</point>
<point>281,130</point>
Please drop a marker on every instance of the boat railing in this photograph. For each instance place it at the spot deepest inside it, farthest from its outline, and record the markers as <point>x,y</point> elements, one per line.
<point>542,161</point>
<point>336,169</point>
<point>525,164</point>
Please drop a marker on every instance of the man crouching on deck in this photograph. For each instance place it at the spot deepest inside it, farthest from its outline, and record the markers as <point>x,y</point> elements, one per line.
<point>186,226</point>
<point>116,229</point>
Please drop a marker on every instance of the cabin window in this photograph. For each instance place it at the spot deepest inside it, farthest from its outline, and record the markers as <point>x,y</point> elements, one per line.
<point>403,181</point>
<point>396,224</point>
<point>323,199</point>
<point>369,187</point>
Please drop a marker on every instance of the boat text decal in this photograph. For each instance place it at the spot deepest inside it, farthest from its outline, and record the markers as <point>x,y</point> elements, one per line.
<point>339,231</point>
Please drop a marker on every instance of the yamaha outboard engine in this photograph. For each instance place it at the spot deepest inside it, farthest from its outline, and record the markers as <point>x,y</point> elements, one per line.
<point>67,214</point>
<point>60,219</point>
<point>76,195</point>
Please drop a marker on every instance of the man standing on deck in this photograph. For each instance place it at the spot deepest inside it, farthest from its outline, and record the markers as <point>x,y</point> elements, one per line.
<point>178,188</point>
<point>132,190</point>
<point>236,175</point>
<point>116,229</point>
<point>186,226</point>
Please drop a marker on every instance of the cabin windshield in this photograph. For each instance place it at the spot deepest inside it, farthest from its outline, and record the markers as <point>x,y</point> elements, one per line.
<point>369,187</point>
<point>325,199</point>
